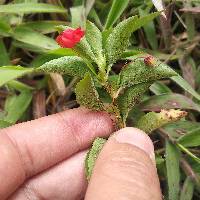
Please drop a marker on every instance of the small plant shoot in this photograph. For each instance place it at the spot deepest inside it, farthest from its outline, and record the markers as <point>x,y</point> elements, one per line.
<point>93,65</point>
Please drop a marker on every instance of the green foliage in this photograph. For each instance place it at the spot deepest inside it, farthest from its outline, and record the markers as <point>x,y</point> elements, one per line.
<point>168,101</point>
<point>8,73</point>
<point>83,49</point>
<point>130,97</point>
<point>114,78</point>
<point>118,40</point>
<point>152,120</point>
<point>138,72</point>
<point>78,17</point>
<point>159,88</point>
<point>186,86</point>
<point>94,38</point>
<point>31,8</point>
<point>71,65</point>
<point>16,106</point>
<point>187,190</point>
<point>86,94</point>
<point>191,138</point>
<point>116,10</point>
<point>33,38</point>
<point>4,58</point>
<point>173,170</point>
<point>149,30</point>
<point>92,156</point>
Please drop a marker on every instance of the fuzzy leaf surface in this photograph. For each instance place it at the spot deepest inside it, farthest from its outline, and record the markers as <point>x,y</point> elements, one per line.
<point>130,97</point>
<point>71,65</point>
<point>87,95</point>
<point>92,155</point>
<point>138,72</point>
<point>118,40</point>
<point>94,38</point>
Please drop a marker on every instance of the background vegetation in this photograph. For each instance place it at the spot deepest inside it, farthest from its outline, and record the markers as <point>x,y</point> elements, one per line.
<point>27,32</point>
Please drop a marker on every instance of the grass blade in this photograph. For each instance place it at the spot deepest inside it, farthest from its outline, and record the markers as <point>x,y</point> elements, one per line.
<point>116,10</point>
<point>187,190</point>
<point>173,170</point>
<point>31,8</point>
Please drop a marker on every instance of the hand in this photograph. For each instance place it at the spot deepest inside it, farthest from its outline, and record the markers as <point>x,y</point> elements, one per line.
<point>44,159</point>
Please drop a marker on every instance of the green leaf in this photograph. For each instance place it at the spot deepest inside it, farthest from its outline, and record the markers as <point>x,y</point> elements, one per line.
<point>86,94</point>
<point>138,72</point>
<point>116,10</point>
<point>159,88</point>
<point>52,54</point>
<point>94,38</point>
<point>191,138</point>
<point>118,40</point>
<point>19,86</point>
<point>8,73</point>
<point>43,26</point>
<point>36,39</point>
<point>168,101</point>
<point>17,106</point>
<point>5,28</point>
<point>150,30</point>
<point>4,57</point>
<point>78,16</point>
<point>187,190</point>
<point>186,86</point>
<point>130,97</point>
<point>4,124</point>
<point>71,65</point>
<point>31,8</point>
<point>92,155</point>
<point>179,128</point>
<point>152,120</point>
<point>173,170</point>
<point>84,50</point>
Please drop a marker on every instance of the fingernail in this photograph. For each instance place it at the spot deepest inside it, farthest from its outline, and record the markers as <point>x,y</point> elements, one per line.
<point>136,138</point>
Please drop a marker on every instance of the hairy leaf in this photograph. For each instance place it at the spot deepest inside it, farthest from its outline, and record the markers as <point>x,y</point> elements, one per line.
<point>71,65</point>
<point>92,155</point>
<point>94,38</point>
<point>130,97</point>
<point>138,72</point>
<point>118,40</point>
<point>87,95</point>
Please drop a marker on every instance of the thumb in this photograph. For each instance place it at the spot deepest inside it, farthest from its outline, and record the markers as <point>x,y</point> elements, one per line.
<point>125,169</point>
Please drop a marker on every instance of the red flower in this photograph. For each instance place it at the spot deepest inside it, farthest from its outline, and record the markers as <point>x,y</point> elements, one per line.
<point>69,38</point>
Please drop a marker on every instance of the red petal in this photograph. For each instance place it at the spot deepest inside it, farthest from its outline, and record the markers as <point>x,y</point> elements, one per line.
<point>78,34</point>
<point>69,33</point>
<point>69,38</point>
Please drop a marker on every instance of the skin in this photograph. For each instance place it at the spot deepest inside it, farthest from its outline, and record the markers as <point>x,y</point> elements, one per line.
<point>44,159</point>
